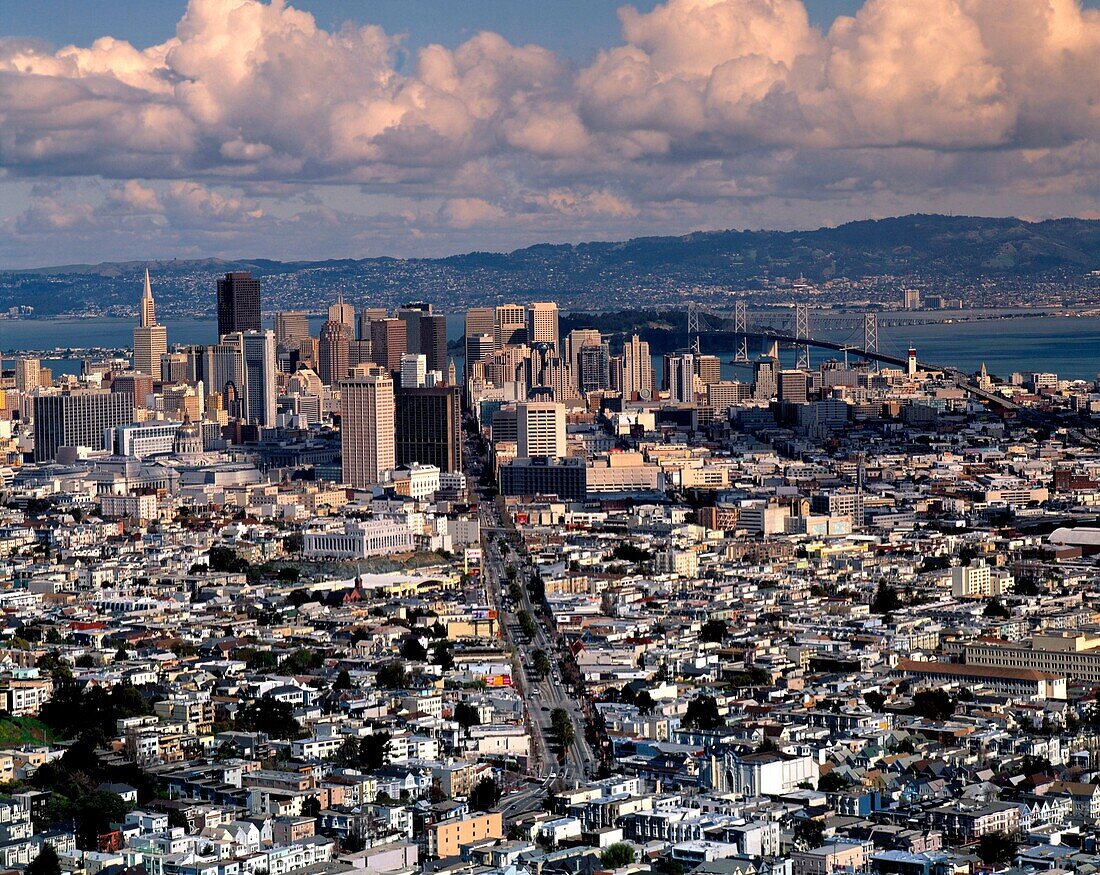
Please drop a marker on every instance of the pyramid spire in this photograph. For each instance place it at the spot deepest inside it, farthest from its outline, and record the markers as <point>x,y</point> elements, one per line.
<point>148,308</point>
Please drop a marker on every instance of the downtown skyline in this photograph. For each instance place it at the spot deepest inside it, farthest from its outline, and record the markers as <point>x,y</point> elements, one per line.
<point>317,138</point>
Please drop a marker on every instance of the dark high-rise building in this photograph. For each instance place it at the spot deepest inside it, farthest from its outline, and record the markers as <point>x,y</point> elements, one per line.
<point>238,303</point>
<point>78,418</point>
<point>387,338</point>
<point>433,342</point>
<point>428,426</point>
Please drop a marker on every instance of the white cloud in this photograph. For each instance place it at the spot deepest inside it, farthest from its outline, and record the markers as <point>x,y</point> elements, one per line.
<point>709,111</point>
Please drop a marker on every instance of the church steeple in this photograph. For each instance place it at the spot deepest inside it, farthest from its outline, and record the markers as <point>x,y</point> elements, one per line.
<point>148,308</point>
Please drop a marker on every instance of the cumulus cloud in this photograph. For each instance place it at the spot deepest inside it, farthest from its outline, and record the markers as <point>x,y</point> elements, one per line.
<point>707,112</point>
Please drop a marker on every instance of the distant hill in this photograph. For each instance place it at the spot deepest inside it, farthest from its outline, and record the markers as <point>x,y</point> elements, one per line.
<point>958,253</point>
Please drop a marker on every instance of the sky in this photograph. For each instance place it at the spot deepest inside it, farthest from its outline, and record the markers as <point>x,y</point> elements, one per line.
<point>352,128</point>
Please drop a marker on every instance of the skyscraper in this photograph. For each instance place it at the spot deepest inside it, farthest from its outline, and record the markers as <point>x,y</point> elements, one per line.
<point>28,373</point>
<point>388,343</point>
<point>595,368</point>
<point>709,368</point>
<point>510,326</point>
<point>413,370</point>
<point>344,314</point>
<point>77,418</point>
<point>367,425</point>
<point>238,303</point>
<point>429,426</point>
<point>433,341</point>
<point>291,327</point>
<point>540,429</point>
<point>542,324</point>
<point>681,378</point>
<point>150,339</point>
<point>258,395</point>
<point>578,339</point>
<point>637,369</point>
<point>480,321</point>
<point>332,352</point>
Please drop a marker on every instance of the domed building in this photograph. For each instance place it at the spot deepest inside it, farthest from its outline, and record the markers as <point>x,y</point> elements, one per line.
<point>188,439</point>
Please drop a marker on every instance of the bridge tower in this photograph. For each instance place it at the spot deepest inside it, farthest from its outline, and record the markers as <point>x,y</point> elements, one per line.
<point>802,329</point>
<point>740,326</point>
<point>870,335</point>
<point>693,326</point>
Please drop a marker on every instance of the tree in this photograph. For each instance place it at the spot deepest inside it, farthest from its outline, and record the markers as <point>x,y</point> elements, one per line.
<point>934,704</point>
<point>540,662</point>
<point>831,782</point>
<point>702,713</point>
<point>374,750</point>
<point>527,624</point>
<point>886,599</point>
<point>443,654</point>
<point>562,724</point>
<point>809,834</point>
<point>270,716</point>
<point>874,699</point>
<point>96,813</point>
<point>224,558</point>
<point>343,680</point>
<point>644,702</point>
<point>46,863</point>
<point>996,848</point>
<point>713,631</point>
<point>465,715</point>
<point>392,675</point>
<point>617,855</point>
<point>995,608</point>
<point>485,795</point>
<point>413,650</point>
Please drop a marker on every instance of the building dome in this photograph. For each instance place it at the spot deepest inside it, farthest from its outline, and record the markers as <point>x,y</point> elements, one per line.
<point>188,439</point>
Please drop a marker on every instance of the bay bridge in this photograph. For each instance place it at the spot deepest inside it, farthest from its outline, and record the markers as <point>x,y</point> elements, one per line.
<point>795,331</point>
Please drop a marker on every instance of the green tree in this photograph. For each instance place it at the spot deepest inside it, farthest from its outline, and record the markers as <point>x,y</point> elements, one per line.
<point>374,750</point>
<point>934,704</point>
<point>713,631</point>
<point>527,624</point>
<point>225,559</point>
<point>485,795</point>
<point>443,654</point>
<point>343,680</point>
<point>702,713</point>
<point>413,650</point>
<point>465,715</point>
<point>46,863</point>
<point>831,782</point>
<point>540,662</point>
<point>270,716</point>
<point>617,855</point>
<point>995,608</point>
<point>997,848</point>
<point>392,675</point>
<point>886,599</point>
<point>644,702</point>
<point>809,834</point>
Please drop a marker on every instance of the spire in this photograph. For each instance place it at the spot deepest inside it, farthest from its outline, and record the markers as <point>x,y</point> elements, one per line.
<point>148,310</point>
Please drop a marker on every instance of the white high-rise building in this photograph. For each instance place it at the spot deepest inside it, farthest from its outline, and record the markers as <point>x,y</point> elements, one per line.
<point>150,339</point>
<point>542,324</point>
<point>637,369</point>
<point>540,429</point>
<point>414,370</point>
<point>367,425</point>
